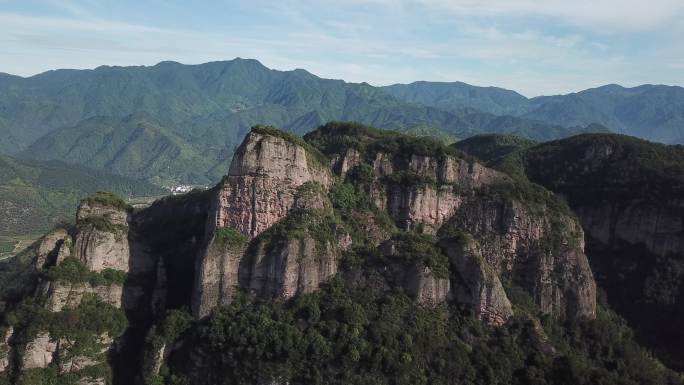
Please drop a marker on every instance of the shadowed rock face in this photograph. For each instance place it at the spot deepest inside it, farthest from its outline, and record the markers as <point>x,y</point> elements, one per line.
<point>523,245</point>
<point>660,228</point>
<point>419,281</point>
<point>478,284</point>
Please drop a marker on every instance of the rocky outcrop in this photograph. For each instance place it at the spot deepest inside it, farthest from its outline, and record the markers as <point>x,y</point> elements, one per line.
<point>53,248</point>
<point>39,352</point>
<point>101,240</point>
<point>425,287</point>
<point>411,206</point>
<point>538,249</point>
<point>290,267</point>
<point>420,190</point>
<point>478,285</point>
<point>269,176</point>
<point>60,294</point>
<point>342,163</point>
<point>217,276</point>
<point>260,187</point>
<point>660,228</point>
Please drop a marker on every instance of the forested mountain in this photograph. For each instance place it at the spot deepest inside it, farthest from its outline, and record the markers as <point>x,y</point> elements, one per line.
<point>37,195</point>
<point>456,96</point>
<point>629,196</point>
<point>654,112</point>
<point>214,104</point>
<point>138,146</point>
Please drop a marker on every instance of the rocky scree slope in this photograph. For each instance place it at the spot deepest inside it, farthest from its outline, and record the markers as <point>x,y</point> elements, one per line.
<point>274,275</point>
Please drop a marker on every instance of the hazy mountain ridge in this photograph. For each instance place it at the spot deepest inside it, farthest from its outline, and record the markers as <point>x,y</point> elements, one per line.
<point>654,112</point>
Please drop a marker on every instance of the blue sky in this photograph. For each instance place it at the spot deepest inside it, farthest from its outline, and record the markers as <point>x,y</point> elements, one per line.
<point>532,46</point>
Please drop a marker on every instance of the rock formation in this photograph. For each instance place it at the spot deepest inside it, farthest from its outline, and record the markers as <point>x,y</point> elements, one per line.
<point>539,250</point>
<point>39,352</point>
<point>281,224</point>
<point>478,284</point>
<point>102,237</point>
<point>261,183</point>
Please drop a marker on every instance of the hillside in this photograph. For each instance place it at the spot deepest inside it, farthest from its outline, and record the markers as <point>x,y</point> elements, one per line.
<point>350,256</point>
<point>137,146</point>
<point>35,196</point>
<point>627,193</point>
<point>456,96</point>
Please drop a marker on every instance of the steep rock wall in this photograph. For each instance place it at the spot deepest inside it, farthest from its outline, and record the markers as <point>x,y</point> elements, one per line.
<point>260,186</point>
<point>520,243</point>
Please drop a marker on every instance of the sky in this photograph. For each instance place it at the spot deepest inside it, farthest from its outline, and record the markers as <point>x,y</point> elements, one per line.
<point>536,47</point>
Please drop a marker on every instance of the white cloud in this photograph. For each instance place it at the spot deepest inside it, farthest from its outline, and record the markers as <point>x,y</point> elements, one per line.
<point>596,14</point>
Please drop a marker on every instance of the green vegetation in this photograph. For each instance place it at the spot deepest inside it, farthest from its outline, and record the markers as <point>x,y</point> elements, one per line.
<point>105,198</point>
<point>435,133</point>
<point>231,238</point>
<point>366,335</point>
<point>35,196</point>
<point>74,271</point>
<point>137,146</point>
<point>491,147</point>
<point>364,221</point>
<point>103,224</point>
<point>410,179</point>
<point>423,248</point>
<point>169,329</point>
<point>593,168</point>
<point>7,247</point>
<point>82,326</point>
<point>335,137</point>
<point>301,224</point>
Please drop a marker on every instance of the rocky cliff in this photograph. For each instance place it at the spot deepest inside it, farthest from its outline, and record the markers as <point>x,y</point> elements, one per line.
<point>67,329</point>
<point>627,194</point>
<point>368,209</point>
<point>528,237</point>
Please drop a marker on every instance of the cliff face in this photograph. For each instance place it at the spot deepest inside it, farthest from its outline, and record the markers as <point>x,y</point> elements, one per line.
<point>522,244</point>
<point>260,186</point>
<point>69,326</point>
<point>101,240</point>
<point>658,227</point>
<point>479,285</point>
<point>531,244</point>
<point>289,216</point>
<point>627,194</point>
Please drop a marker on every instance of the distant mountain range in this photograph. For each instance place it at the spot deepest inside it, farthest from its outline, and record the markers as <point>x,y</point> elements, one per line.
<point>653,112</point>
<point>173,123</point>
